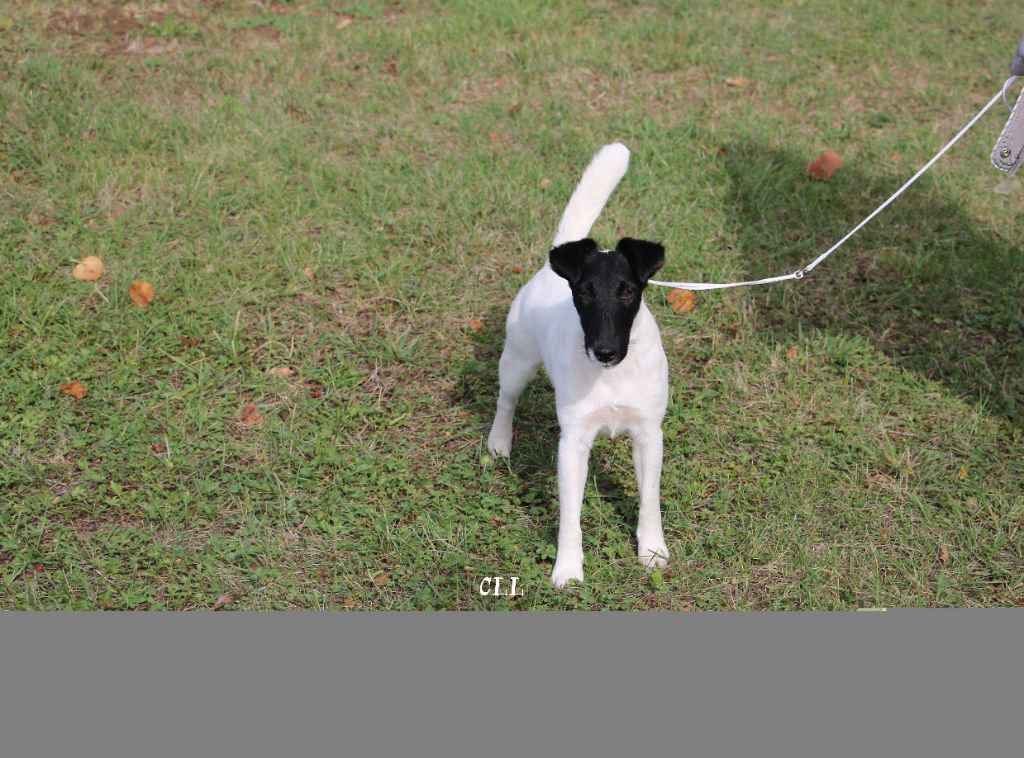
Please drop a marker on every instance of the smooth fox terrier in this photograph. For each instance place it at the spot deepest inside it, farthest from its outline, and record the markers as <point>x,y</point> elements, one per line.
<point>583,316</point>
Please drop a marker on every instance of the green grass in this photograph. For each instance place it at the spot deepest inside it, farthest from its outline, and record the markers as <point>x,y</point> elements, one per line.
<point>344,201</point>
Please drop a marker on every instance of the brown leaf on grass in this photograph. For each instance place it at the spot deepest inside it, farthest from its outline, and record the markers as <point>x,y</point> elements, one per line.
<point>281,372</point>
<point>681,300</point>
<point>297,114</point>
<point>896,156</point>
<point>390,68</point>
<point>141,294</point>
<point>158,448</point>
<point>41,220</point>
<point>381,580</point>
<point>545,183</point>
<point>77,390</point>
<point>343,22</point>
<point>222,601</point>
<point>881,479</point>
<point>737,81</point>
<point>250,415</point>
<point>89,269</point>
<point>476,324</point>
<point>792,353</point>
<point>944,554</point>
<point>822,167</point>
<point>187,341</point>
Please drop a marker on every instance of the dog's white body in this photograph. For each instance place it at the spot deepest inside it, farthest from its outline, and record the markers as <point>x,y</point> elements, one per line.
<point>544,327</point>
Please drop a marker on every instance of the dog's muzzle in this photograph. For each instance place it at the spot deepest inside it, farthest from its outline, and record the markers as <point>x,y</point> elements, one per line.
<point>606,358</point>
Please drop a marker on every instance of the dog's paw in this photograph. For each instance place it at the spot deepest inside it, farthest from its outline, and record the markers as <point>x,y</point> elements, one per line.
<point>564,573</point>
<point>499,443</point>
<point>653,555</point>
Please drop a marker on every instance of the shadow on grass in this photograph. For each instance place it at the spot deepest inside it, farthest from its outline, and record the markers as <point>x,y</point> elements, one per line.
<point>921,282</point>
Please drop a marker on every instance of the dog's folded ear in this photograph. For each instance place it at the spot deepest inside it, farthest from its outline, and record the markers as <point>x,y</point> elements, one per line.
<point>567,260</point>
<point>644,257</point>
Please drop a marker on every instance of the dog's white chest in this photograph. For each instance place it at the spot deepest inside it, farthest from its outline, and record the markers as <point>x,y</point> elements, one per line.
<point>614,420</point>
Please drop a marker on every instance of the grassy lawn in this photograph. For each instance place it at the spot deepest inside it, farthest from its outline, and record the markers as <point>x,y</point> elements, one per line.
<point>342,188</point>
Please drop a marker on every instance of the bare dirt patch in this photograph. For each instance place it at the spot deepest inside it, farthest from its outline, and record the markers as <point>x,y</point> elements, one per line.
<point>111,21</point>
<point>113,30</point>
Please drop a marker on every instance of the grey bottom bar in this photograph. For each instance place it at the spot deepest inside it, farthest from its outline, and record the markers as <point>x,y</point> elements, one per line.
<point>936,683</point>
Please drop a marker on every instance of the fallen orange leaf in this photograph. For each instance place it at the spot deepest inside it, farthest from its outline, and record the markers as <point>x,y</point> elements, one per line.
<point>737,81</point>
<point>345,21</point>
<point>476,324</point>
<point>791,353</point>
<point>297,114</point>
<point>141,293</point>
<point>222,601</point>
<point>381,580</point>
<point>681,300</point>
<point>943,554</point>
<point>281,372</point>
<point>822,167</point>
<point>89,269</point>
<point>250,415</point>
<point>77,390</point>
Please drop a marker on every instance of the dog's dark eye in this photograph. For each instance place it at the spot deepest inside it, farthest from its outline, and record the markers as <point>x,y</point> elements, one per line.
<point>585,297</point>
<point>626,295</point>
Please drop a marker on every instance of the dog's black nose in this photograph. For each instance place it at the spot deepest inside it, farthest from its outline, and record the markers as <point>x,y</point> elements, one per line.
<point>605,356</point>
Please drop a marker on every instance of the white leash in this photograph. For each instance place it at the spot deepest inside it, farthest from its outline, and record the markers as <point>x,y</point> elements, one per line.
<point>800,273</point>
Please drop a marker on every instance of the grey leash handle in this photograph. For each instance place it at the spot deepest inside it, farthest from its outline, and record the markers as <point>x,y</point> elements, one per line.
<point>1008,152</point>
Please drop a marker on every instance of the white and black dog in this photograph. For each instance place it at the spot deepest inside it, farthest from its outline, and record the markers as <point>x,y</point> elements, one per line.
<point>584,318</point>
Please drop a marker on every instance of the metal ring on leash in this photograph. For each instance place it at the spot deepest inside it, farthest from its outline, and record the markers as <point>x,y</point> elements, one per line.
<point>1006,86</point>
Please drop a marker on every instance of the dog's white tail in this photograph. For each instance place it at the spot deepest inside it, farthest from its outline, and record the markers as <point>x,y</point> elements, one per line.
<point>599,180</point>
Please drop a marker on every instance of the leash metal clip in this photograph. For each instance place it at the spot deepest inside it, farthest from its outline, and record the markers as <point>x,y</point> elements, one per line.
<point>1008,152</point>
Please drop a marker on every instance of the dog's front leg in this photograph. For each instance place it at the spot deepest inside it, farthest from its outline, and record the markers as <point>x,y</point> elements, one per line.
<point>647,455</point>
<point>573,455</point>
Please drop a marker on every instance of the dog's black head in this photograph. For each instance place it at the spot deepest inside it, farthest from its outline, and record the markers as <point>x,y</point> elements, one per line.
<point>606,289</point>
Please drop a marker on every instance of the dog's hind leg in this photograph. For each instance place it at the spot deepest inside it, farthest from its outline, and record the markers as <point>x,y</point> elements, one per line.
<point>647,457</point>
<point>515,369</point>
